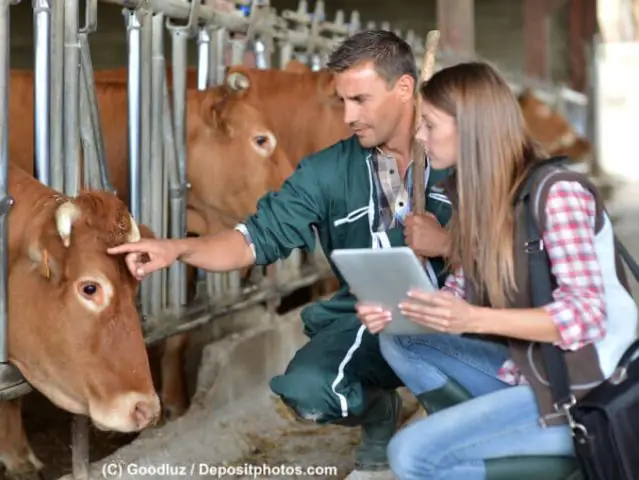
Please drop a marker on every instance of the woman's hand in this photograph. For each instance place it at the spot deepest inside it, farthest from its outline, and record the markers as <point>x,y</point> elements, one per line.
<point>373,316</point>
<point>441,311</point>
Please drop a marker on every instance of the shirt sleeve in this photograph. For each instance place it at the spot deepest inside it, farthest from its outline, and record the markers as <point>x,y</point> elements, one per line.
<point>286,219</point>
<point>578,308</point>
<point>455,284</point>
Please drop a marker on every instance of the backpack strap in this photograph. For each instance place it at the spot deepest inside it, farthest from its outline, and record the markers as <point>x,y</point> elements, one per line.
<point>541,280</point>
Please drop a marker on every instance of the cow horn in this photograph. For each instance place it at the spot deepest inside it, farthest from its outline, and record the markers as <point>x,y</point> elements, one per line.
<point>238,81</point>
<point>134,233</point>
<point>65,215</point>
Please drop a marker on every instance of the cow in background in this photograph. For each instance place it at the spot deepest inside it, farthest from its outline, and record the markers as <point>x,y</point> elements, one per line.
<point>73,328</point>
<point>552,131</point>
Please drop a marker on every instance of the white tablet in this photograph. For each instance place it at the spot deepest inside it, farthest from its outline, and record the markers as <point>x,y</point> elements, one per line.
<point>385,276</point>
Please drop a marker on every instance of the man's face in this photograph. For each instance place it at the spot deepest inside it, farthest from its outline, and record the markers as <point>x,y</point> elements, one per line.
<point>372,109</point>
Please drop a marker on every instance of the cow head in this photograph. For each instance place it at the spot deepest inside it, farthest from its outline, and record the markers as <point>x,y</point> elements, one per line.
<point>301,106</point>
<point>74,329</point>
<point>552,131</point>
<point>233,158</point>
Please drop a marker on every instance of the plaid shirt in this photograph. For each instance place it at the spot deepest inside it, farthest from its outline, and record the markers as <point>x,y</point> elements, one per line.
<point>578,309</point>
<point>393,194</point>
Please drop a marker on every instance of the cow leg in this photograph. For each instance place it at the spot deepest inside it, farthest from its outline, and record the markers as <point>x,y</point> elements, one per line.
<point>15,452</point>
<point>173,388</point>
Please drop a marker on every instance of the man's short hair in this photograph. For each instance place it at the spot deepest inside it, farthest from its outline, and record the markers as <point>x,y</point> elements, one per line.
<point>390,54</point>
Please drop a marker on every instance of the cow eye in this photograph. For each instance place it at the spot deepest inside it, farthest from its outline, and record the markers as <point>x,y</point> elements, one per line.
<point>261,140</point>
<point>89,289</point>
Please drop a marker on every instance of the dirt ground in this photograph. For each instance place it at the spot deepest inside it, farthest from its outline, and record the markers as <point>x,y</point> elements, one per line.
<point>49,431</point>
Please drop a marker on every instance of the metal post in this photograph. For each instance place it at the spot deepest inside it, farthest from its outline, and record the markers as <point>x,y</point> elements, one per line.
<point>355,24</point>
<point>217,67</point>
<point>203,57</point>
<point>133,85</point>
<point>42,78</point>
<point>90,125</point>
<point>155,179</point>
<point>71,98</point>
<point>180,35</point>
<point>146,28</point>
<point>5,200</point>
<point>56,167</point>
<point>177,194</point>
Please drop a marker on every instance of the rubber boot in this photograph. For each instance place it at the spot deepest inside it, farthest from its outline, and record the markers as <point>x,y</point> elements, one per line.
<point>378,424</point>
<point>446,396</point>
<point>532,468</point>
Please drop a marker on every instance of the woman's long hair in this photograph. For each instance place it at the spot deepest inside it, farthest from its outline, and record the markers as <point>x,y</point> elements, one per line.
<point>494,153</point>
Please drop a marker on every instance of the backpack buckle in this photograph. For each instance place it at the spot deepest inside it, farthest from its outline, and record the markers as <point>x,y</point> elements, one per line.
<point>534,246</point>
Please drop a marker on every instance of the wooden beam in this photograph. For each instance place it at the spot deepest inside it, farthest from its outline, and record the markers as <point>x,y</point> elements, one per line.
<point>536,38</point>
<point>456,22</point>
<point>576,36</point>
<point>537,15</point>
<point>582,26</point>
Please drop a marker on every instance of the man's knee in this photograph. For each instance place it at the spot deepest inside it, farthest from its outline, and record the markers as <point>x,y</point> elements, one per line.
<point>309,394</point>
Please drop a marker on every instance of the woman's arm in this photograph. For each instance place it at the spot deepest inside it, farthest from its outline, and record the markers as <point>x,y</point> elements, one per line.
<point>576,317</point>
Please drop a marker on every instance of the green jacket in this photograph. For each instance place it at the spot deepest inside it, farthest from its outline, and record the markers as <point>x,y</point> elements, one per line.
<point>331,193</point>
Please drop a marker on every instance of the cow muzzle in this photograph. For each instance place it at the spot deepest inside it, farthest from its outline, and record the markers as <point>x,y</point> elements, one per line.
<point>128,412</point>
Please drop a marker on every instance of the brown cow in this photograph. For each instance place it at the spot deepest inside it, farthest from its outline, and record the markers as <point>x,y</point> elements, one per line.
<point>221,192</point>
<point>551,130</point>
<point>73,328</point>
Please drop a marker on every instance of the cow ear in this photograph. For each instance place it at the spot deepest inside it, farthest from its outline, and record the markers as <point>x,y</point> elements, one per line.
<point>45,261</point>
<point>295,66</point>
<point>145,232</point>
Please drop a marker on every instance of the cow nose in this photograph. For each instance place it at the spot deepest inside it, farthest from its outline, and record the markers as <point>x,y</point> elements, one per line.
<point>146,412</point>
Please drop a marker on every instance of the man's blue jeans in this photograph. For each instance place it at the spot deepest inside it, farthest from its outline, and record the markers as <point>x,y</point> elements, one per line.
<point>500,421</point>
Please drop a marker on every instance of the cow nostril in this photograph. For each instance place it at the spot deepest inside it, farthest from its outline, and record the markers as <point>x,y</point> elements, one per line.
<point>144,414</point>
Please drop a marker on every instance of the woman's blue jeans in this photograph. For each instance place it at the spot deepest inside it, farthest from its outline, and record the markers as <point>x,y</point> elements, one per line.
<point>500,421</point>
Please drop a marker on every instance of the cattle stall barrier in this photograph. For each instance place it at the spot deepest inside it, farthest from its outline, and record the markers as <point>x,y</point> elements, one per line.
<point>67,121</point>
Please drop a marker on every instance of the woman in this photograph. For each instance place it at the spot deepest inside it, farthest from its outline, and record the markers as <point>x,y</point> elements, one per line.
<point>470,120</point>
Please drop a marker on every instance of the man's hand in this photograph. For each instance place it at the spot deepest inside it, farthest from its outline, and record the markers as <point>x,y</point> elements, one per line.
<point>426,236</point>
<point>161,253</point>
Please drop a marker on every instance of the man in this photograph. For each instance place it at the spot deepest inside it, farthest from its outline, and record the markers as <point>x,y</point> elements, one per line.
<point>339,376</point>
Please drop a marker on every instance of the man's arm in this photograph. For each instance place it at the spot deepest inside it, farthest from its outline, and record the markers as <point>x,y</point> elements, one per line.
<point>283,221</point>
<point>224,252</point>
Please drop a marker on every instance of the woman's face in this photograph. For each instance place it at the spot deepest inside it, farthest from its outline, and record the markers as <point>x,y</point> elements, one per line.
<point>438,134</point>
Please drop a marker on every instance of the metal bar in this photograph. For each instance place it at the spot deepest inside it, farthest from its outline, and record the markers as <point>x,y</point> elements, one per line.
<point>155,175</point>
<point>41,83</point>
<point>217,68</point>
<point>133,97</point>
<point>146,28</point>
<point>56,167</point>
<point>180,9</point>
<point>203,57</point>
<point>86,69</point>
<point>177,271</point>
<point>80,447</point>
<point>71,98</point>
<point>6,201</point>
<point>180,36</point>
<point>91,172</point>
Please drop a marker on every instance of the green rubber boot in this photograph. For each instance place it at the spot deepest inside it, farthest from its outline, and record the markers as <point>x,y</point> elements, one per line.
<point>450,394</point>
<point>378,425</point>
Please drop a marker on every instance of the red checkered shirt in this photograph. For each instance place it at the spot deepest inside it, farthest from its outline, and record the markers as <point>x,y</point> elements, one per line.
<point>578,309</point>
